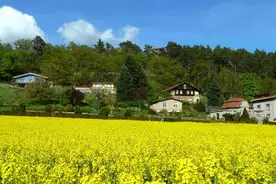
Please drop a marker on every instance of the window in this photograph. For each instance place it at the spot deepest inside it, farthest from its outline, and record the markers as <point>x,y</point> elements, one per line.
<point>185,86</point>
<point>176,92</point>
<point>164,104</point>
<point>192,92</point>
<point>259,107</point>
<point>268,115</point>
<point>188,92</point>
<point>268,107</point>
<point>181,92</point>
<point>175,105</point>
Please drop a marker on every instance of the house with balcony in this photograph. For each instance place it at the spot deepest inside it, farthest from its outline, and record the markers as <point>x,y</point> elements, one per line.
<point>265,107</point>
<point>184,92</point>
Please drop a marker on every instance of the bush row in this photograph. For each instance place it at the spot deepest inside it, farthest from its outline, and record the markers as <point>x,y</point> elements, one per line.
<point>47,108</point>
<point>89,116</point>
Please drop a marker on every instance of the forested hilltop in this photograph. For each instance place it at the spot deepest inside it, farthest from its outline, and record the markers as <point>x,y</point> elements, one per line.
<point>221,72</point>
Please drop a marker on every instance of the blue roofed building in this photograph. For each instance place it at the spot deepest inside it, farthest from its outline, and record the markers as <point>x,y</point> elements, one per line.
<point>27,78</point>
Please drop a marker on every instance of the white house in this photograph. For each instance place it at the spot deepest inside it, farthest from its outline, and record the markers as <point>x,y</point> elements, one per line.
<point>96,86</point>
<point>233,106</point>
<point>170,105</point>
<point>265,107</point>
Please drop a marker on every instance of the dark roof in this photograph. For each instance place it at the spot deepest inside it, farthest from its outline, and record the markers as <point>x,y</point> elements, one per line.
<point>268,97</point>
<point>161,100</point>
<point>263,95</point>
<point>26,74</point>
<point>233,103</point>
<point>172,87</point>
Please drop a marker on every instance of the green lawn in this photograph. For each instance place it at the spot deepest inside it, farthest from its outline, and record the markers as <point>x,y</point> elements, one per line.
<point>10,95</point>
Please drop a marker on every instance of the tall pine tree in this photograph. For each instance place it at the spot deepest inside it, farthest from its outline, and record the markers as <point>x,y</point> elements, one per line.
<point>213,93</point>
<point>132,82</point>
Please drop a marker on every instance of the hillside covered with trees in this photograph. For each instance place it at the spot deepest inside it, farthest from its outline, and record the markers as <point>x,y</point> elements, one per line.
<point>219,73</point>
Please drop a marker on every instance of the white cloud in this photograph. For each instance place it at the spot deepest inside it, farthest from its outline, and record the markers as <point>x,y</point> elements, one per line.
<point>130,33</point>
<point>83,32</point>
<point>16,25</point>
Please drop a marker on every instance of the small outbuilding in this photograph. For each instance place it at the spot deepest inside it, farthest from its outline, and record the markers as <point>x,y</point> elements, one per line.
<point>27,78</point>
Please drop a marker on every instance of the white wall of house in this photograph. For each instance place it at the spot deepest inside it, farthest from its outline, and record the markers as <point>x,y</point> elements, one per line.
<point>190,99</point>
<point>233,111</point>
<point>170,105</point>
<point>265,108</point>
<point>109,87</point>
<point>83,89</point>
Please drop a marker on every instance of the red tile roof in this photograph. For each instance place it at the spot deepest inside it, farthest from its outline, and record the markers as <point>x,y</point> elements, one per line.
<point>236,100</point>
<point>234,103</point>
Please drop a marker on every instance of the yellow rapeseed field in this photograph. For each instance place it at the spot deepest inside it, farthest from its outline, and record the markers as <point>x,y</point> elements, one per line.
<point>53,150</point>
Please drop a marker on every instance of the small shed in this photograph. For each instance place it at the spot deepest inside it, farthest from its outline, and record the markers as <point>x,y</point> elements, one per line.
<point>27,78</point>
<point>170,105</point>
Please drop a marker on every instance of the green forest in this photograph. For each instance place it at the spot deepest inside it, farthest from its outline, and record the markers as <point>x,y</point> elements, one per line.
<point>219,73</point>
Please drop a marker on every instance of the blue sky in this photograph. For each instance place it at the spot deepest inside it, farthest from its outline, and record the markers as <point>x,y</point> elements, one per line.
<point>246,24</point>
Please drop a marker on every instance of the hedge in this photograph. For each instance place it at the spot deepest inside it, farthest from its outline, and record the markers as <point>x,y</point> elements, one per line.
<point>89,116</point>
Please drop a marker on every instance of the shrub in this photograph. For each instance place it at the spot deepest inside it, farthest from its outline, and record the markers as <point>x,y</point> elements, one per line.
<point>128,113</point>
<point>77,110</point>
<point>49,108</point>
<point>228,117</point>
<point>236,117</point>
<point>87,109</point>
<point>131,104</point>
<point>13,109</point>
<point>64,97</point>
<point>254,120</point>
<point>118,112</point>
<point>142,113</point>
<point>57,107</point>
<point>151,111</point>
<point>200,107</point>
<point>60,109</point>
<point>21,108</point>
<point>265,120</point>
<point>36,107</point>
<point>104,112</point>
<point>164,112</point>
<point>69,108</point>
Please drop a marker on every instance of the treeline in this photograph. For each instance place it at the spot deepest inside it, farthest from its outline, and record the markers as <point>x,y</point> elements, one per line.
<point>219,73</point>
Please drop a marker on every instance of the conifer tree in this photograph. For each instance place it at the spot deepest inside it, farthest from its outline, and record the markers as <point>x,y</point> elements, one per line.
<point>245,116</point>
<point>214,94</point>
<point>131,82</point>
